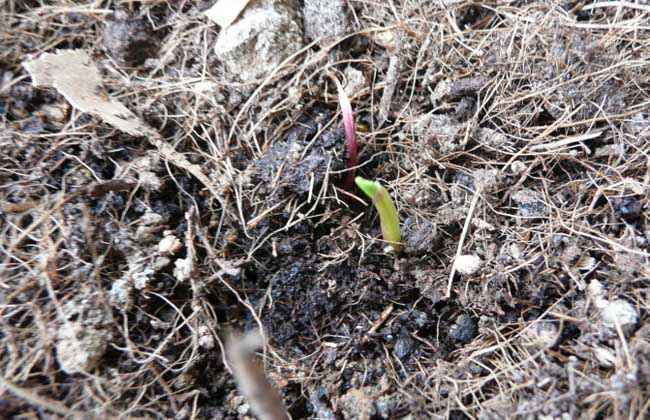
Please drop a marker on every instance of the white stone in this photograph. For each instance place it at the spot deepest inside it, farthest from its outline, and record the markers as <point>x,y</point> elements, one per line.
<point>183,269</point>
<point>170,244</point>
<point>619,312</point>
<point>605,356</point>
<point>79,347</point>
<point>468,264</point>
<point>265,35</point>
<point>225,12</point>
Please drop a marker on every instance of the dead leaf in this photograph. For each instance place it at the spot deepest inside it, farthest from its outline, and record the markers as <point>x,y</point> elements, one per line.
<point>76,77</point>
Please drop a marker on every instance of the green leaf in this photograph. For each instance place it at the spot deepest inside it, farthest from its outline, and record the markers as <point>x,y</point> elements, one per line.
<point>370,188</point>
<point>388,217</point>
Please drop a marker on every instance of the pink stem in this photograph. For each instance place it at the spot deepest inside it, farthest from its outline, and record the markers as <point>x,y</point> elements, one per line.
<point>350,136</point>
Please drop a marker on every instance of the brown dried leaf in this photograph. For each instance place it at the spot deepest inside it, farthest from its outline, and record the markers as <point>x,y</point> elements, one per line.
<point>76,77</point>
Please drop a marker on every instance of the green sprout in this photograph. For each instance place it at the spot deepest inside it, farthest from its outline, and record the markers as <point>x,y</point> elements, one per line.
<point>388,216</point>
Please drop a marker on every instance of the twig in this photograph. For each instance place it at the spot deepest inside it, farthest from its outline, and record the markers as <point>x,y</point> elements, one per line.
<point>37,400</point>
<point>461,241</point>
<point>382,318</point>
<point>566,141</point>
<point>625,4</point>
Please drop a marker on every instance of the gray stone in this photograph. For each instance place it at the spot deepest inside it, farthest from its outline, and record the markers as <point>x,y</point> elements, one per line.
<point>84,333</point>
<point>80,348</point>
<point>403,346</point>
<point>325,19</point>
<point>618,312</point>
<point>464,330</point>
<point>266,34</point>
<point>531,203</point>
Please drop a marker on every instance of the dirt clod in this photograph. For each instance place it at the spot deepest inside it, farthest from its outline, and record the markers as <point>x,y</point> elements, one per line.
<point>129,40</point>
<point>84,333</point>
<point>464,329</point>
<point>169,176</point>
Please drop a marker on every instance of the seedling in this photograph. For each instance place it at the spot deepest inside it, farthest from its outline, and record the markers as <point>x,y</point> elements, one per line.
<point>350,135</point>
<point>388,216</point>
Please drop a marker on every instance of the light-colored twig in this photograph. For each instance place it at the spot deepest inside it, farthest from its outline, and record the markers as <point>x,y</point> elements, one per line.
<point>461,241</point>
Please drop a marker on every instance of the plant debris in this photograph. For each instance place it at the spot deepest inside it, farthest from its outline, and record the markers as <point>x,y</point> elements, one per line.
<point>167,177</point>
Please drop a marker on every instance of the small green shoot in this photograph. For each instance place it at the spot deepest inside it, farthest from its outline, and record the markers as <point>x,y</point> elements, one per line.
<point>388,216</point>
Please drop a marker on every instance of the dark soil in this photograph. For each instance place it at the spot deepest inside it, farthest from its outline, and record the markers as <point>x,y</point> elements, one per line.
<point>123,275</point>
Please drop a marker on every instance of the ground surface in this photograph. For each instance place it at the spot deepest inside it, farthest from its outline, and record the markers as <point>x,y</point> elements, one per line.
<point>122,274</point>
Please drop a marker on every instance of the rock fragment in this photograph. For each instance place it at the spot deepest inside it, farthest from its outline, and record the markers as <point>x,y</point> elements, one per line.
<point>467,264</point>
<point>618,312</point>
<point>325,19</point>
<point>225,12</point>
<point>265,35</point>
<point>464,330</point>
<point>531,203</point>
<point>84,333</point>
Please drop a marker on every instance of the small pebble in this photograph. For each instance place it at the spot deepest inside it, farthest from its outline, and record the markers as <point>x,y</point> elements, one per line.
<point>605,356</point>
<point>468,264</point>
<point>464,330</point>
<point>531,203</point>
<point>403,346</point>
<point>543,334</point>
<point>170,244</point>
<point>619,312</point>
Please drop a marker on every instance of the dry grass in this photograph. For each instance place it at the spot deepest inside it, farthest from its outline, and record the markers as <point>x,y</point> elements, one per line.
<point>539,111</point>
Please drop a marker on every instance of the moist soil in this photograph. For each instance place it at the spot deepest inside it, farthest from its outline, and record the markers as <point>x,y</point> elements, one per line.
<point>517,134</point>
